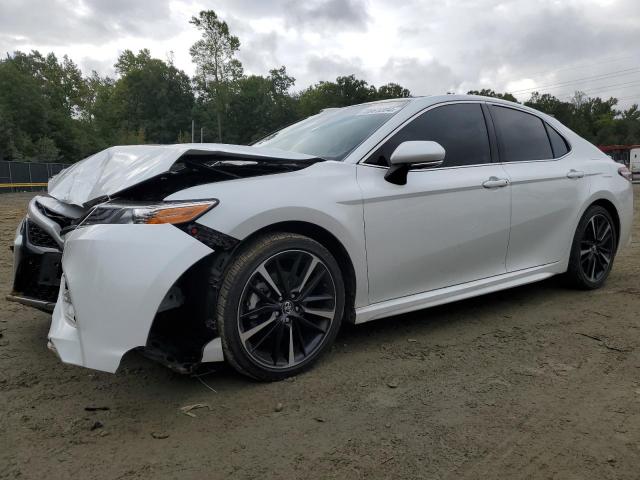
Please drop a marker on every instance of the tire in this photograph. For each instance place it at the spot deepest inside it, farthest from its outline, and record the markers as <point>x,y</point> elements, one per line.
<point>278,327</point>
<point>593,249</point>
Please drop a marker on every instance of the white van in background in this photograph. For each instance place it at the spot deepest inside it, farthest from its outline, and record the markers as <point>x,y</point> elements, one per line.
<point>634,163</point>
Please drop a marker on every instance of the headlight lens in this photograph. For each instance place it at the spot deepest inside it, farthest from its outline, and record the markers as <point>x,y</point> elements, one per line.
<point>155,213</point>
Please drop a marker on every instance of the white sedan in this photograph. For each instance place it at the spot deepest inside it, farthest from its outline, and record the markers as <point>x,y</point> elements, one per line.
<point>256,254</point>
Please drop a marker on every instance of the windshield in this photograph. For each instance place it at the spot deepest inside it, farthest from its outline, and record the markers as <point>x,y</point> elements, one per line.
<point>333,133</point>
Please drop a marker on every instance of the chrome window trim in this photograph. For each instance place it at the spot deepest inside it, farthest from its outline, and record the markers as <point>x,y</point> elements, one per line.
<point>367,155</point>
<point>515,107</point>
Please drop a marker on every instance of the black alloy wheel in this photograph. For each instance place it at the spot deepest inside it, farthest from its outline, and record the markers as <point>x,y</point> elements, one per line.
<point>286,309</point>
<point>280,305</point>
<point>593,250</point>
<point>596,248</point>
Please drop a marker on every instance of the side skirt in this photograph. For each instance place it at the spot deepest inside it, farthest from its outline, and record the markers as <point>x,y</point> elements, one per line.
<point>454,293</point>
<point>43,305</point>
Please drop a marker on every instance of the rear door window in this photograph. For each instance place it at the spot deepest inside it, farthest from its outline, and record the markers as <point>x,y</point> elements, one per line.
<point>521,136</point>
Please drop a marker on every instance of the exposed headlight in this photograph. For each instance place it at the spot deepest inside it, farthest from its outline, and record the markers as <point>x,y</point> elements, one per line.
<point>155,213</point>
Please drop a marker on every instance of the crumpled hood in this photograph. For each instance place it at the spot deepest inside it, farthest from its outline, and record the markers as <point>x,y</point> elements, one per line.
<point>117,168</point>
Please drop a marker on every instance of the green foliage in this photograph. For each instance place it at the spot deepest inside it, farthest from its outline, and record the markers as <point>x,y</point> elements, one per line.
<point>50,111</point>
<point>345,91</point>
<point>151,97</point>
<point>46,150</point>
<point>595,119</point>
<point>260,105</point>
<point>487,92</point>
<point>217,67</point>
<point>38,98</point>
<point>392,90</point>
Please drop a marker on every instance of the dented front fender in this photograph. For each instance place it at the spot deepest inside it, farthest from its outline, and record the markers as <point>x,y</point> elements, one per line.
<point>115,278</point>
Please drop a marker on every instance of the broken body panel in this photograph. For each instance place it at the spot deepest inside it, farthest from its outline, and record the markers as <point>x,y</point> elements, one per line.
<point>120,287</point>
<point>117,168</point>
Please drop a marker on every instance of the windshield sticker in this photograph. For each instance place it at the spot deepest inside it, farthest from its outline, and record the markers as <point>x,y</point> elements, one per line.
<point>382,108</point>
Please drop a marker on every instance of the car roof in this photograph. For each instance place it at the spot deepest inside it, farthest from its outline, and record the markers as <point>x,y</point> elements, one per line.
<point>427,100</point>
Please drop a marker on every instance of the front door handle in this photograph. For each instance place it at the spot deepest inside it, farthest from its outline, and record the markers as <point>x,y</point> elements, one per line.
<point>575,174</point>
<point>495,182</point>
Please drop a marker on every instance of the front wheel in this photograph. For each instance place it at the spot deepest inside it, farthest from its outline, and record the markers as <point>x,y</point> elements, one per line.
<point>593,249</point>
<point>280,306</point>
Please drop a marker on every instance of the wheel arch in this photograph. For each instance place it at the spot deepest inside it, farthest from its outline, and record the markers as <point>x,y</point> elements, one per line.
<point>327,240</point>
<point>610,207</point>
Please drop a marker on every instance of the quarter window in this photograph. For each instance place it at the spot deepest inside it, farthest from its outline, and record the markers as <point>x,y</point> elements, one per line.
<point>460,128</point>
<point>558,144</point>
<point>521,136</point>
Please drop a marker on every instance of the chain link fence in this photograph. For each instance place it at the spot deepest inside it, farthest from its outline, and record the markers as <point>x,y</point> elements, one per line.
<point>27,176</point>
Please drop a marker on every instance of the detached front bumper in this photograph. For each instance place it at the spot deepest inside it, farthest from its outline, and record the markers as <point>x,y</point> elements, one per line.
<point>37,252</point>
<point>36,268</point>
<point>115,278</point>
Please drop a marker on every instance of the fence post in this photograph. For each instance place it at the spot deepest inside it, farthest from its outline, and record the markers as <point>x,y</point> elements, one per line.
<point>48,174</point>
<point>10,176</point>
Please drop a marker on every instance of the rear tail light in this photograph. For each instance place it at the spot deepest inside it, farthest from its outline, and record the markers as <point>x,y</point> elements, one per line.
<point>625,173</point>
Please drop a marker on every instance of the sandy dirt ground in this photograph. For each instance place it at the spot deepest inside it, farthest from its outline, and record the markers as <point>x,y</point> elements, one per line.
<point>535,382</point>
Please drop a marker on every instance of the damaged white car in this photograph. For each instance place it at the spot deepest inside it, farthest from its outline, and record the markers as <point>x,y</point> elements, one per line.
<point>255,254</point>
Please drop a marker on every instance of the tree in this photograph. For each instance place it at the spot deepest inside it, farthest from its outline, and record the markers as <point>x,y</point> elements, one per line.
<point>284,105</point>
<point>46,150</point>
<point>628,126</point>
<point>50,111</point>
<point>24,109</point>
<point>392,90</point>
<point>214,56</point>
<point>547,103</point>
<point>150,97</point>
<point>280,81</point>
<point>346,90</point>
<point>260,105</point>
<point>487,92</point>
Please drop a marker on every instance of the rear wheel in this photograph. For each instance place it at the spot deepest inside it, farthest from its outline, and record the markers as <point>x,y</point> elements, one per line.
<point>593,249</point>
<point>280,306</point>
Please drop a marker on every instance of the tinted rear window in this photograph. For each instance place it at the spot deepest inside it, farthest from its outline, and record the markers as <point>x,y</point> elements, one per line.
<point>522,136</point>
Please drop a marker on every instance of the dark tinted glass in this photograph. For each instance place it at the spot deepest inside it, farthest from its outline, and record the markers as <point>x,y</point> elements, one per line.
<point>459,128</point>
<point>522,136</point>
<point>558,143</point>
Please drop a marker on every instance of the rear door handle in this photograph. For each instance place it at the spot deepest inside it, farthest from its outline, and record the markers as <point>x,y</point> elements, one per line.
<point>575,174</point>
<point>495,182</point>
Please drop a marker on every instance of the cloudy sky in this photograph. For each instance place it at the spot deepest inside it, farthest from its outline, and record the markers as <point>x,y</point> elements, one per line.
<point>429,46</point>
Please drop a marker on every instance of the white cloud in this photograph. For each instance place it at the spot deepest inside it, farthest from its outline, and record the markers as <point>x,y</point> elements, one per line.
<point>429,47</point>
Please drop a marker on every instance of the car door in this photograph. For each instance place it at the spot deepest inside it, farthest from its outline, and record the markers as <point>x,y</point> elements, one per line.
<point>448,225</point>
<point>548,185</point>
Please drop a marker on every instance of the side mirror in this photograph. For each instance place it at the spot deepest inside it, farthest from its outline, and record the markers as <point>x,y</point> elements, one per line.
<point>413,153</point>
